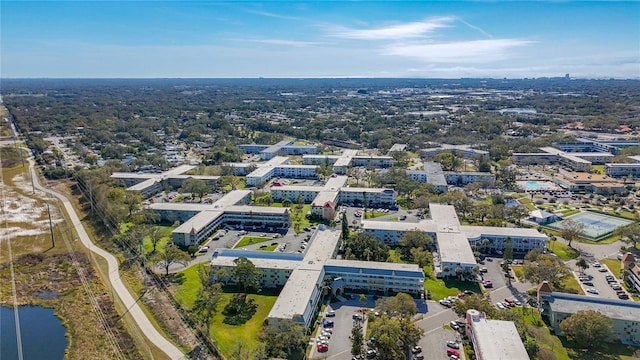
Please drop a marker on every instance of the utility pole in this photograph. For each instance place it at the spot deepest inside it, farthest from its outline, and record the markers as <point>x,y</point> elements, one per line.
<point>53,242</point>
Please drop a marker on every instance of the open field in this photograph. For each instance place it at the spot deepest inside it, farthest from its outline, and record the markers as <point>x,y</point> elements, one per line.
<point>441,288</point>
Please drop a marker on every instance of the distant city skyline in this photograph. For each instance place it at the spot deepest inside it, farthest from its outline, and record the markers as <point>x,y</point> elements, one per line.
<point>293,39</point>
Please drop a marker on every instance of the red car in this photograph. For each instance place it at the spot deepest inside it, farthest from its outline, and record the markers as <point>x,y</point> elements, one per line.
<point>452,352</point>
<point>323,347</point>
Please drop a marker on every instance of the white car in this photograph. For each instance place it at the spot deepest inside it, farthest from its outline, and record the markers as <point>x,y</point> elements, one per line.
<point>500,306</point>
<point>592,291</point>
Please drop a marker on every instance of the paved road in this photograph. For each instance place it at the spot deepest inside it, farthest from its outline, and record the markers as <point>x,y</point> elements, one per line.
<point>114,277</point>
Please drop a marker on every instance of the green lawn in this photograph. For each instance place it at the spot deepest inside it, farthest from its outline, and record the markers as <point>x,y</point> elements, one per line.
<point>569,212</point>
<point>562,250</point>
<point>187,291</point>
<point>395,257</point>
<point>536,329</point>
<point>569,283</point>
<point>441,288</point>
<point>613,265</point>
<point>226,335</point>
<point>268,248</point>
<point>374,214</point>
<point>250,240</point>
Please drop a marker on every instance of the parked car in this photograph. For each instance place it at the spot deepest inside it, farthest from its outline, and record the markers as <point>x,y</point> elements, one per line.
<point>603,270</point>
<point>453,344</point>
<point>623,296</point>
<point>331,313</point>
<point>592,291</point>
<point>416,349</point>
<point>500,306</point>
<point>587,283</point>
<point>452,352</point>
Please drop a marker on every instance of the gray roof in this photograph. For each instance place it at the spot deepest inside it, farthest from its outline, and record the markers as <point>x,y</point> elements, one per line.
<point>615,309</point>
<point>434,172</point>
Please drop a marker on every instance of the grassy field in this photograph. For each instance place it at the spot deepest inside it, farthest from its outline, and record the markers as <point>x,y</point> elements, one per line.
<point>268,248</point>
<point>563,251</point>
<point>441,288</point>
<point>613,265</point>
<point>569,283</point>
<point>226,335</point>
<point>250,240</point>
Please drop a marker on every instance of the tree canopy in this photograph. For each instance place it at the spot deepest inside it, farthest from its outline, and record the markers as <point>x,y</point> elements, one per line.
<point>367,247</point>
<point>245,274</point>
<point>402,304</point>
<point>588,329</point>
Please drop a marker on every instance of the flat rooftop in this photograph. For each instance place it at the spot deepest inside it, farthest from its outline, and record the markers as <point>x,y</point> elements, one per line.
<point>322,245</point>
<point>498,340</point>
<point>295,295</point>
<point>198,222</point>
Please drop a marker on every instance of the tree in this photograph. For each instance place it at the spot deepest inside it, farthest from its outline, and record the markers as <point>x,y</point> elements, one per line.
<point>283,338</point>
<point>172,255</point>
<point>357,339</point>
<point>155,234</point>
<point>422,257</point>
<point>582,264</point>
<point>630,234</point>
<point>571,230</point>
<point>532,347</point>
<point>345,227</point>
<point>414,239</point>
<point>245,274</point>
<point>133,201</point>
<point>545,268</point>
<point>588,329</point>
<point>363,300</point>
<point>474,301</point>
<point>207,299</point>
<point>395,336</point>
<point>402,304</point>
<point>195,186</point>
<point>376,250</point>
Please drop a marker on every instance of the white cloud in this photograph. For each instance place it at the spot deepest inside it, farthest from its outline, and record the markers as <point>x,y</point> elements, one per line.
<point>475,51</point>
<point>393,32</point>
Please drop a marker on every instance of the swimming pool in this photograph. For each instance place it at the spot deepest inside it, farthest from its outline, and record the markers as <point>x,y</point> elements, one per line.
<point>534,185</point>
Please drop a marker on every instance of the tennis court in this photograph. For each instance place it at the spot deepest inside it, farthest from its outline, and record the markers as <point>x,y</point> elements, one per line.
<point>596,226</point>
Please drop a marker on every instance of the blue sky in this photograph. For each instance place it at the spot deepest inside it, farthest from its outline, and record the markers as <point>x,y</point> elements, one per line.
<point>428,39</point>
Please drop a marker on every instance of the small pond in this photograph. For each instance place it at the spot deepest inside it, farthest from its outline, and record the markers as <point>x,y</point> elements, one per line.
<point>42,334</point>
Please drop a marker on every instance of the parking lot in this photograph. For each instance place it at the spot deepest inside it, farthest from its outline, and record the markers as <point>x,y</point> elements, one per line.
<point>599,282</point>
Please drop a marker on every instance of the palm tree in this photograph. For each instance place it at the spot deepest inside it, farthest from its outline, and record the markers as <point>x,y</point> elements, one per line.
<point>582,265</point>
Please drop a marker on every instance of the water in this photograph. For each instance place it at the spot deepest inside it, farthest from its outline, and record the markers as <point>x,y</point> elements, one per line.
<point>532,185</point>
<point>41,331</point>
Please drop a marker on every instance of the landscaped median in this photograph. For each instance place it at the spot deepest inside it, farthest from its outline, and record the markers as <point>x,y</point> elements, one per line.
<point>250,240</point>
<point>441,288</point>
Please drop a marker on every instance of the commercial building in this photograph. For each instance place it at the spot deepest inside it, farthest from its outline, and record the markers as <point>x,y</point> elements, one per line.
<point>596,183</point>
<point>454,241</point>
<point>199,221</point>
<point>267,152</point>
<point>149,184</point>
<point>494,339</point>
<point>625,314</point>
<point>302,275</point>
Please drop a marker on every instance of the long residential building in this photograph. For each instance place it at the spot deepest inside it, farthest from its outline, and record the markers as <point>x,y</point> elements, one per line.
<point>625,314</point>
<point>349,158</point>
<point>301,276</point>
<point>279,167</point>
<point>199,221</point>
<point>454,241</point>
<point>434,175</point>
<point>149,184</point>
<point>267,152</point>
<point>324,199</point>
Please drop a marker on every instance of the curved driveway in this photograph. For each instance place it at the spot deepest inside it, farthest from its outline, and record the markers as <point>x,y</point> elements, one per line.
<point>114,276</point>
